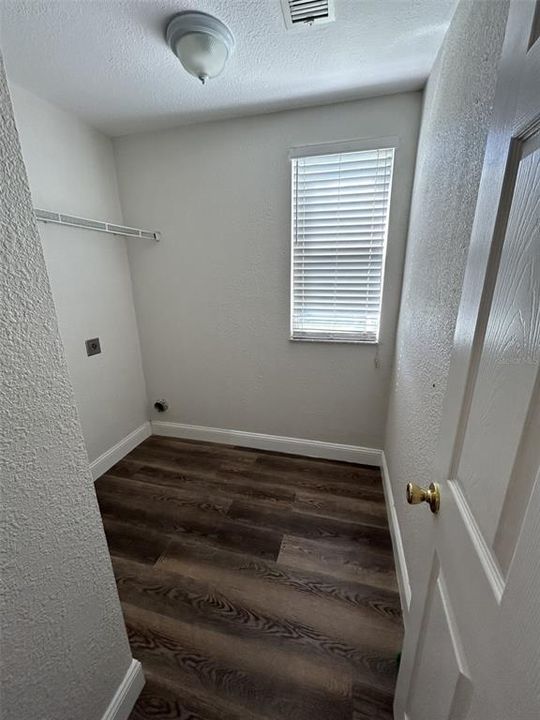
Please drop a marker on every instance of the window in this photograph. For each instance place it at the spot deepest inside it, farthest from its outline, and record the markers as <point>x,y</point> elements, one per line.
<point>340,205</point>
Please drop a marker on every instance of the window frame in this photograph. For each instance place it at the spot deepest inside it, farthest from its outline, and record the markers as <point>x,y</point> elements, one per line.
<point>360,145</point>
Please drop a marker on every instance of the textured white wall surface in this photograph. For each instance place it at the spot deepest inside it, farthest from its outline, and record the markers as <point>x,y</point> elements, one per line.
<point>118,73</point>
<point>457,109</point>
<point>71,169</point>
<point>212,298</point>
<point>64,650</point>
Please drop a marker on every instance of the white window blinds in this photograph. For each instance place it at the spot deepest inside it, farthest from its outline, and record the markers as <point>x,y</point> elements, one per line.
<point>340,205</point>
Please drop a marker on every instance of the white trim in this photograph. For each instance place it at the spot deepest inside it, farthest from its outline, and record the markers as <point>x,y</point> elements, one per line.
<point>397,541</point>
<point>127,693</point>
<point>293,446</point>
<point>483,551</point>
<point>113,455</point>
<point>353,145</point>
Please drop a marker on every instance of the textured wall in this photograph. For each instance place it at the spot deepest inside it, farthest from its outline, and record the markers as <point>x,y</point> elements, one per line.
<point>64,649</point>
<point>457,108</point>
<point>71,169</point>
<point>212,298</point>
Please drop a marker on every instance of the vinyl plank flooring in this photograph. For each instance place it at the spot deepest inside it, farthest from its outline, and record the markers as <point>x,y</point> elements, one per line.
<point>260,576</point>
<point>180,447</point>
<point>370,509</point>
<point>254,585</point>
<point>183,463</point>
<point>309,526</point>
<point>250,473</point>
<point>315,468</point>
<point>126,468</point>
<point>343,561</point>
<point>209,527</point>
<point>342,485</point>
<point>200,659</point>
<point>164,698</point>
<point>371,704</point>
<point>193,459</point>
<point>190,601</point>
<point>126,541</point>
<point>209,484</point>
<point>181,499</point>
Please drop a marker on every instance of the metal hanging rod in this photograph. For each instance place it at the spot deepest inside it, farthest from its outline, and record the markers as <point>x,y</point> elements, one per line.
<point>79,222</point>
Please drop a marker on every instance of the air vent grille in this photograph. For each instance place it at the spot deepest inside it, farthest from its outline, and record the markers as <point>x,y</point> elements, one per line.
<point>307,12</point>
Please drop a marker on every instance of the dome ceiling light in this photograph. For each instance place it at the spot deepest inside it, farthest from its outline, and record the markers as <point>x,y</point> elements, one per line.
<point>202,43</point>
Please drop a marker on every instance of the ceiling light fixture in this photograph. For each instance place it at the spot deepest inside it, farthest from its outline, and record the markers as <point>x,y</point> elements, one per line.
<point>202,43</point>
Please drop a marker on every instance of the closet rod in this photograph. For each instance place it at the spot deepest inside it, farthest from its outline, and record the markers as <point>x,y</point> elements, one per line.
<point>86,224</point>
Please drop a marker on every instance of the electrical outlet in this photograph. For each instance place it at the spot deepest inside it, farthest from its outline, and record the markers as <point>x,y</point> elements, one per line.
<point>93,346</point>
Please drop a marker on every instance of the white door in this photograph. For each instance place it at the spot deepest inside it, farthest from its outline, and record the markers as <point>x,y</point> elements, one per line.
<point>472,646</point>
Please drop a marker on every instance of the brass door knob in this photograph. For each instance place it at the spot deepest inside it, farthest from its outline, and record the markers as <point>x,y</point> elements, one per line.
<point>432,496</point>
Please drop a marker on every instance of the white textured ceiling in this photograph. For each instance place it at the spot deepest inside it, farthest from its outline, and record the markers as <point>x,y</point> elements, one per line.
<point>107,60</point>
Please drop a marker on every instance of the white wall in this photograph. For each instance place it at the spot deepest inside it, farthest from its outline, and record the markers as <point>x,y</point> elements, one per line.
<point>63,644</point>
<point>451,149</point>
<point>212,298</point>
<point>71,169</point>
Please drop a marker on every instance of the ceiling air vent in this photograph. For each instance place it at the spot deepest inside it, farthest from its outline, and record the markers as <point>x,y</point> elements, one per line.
<point>307,12</point>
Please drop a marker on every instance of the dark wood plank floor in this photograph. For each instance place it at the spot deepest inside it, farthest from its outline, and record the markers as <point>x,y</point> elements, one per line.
<point>255,586</point>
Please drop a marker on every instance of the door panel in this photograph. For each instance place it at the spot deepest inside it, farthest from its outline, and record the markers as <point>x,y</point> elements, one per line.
<point>508,364</point>
<point>520,487</point>
<point>508,681</point>
<point>441,686</point>
<point>509,360</point>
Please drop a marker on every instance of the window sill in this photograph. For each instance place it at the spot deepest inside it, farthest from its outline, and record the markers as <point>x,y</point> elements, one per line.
<point>333,341</point>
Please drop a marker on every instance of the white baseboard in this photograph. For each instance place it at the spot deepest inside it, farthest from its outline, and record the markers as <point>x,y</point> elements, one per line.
<point>276,443</point>
<point>126,696</point>
<point>113,455</point>
<point>397,542</point>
